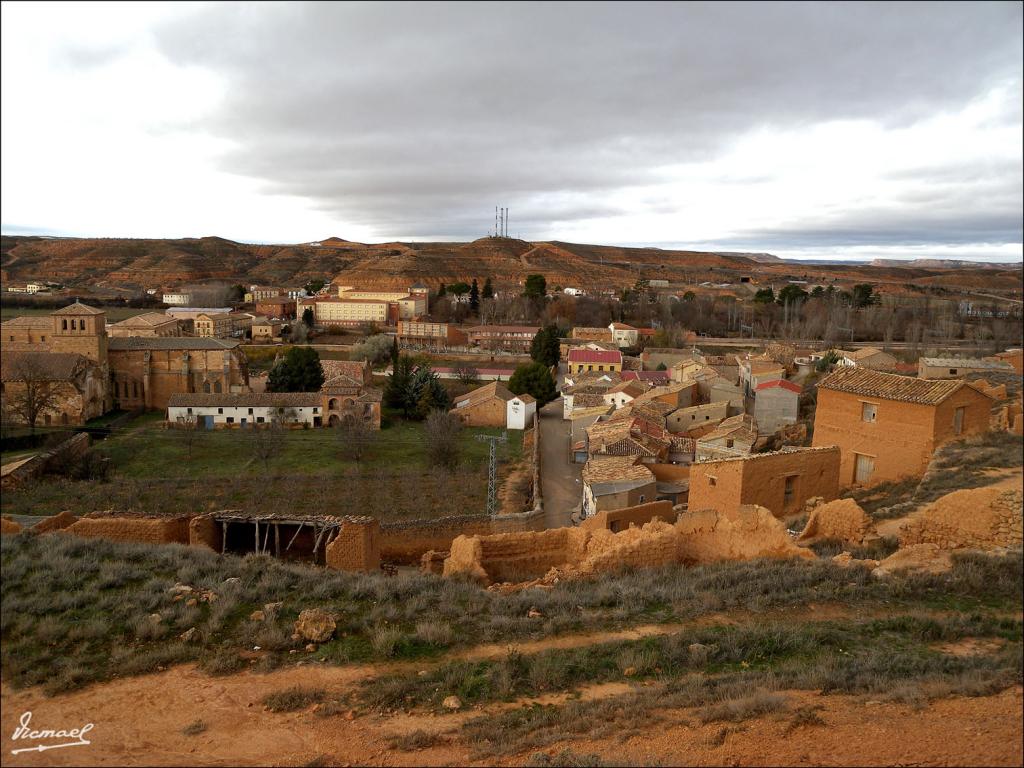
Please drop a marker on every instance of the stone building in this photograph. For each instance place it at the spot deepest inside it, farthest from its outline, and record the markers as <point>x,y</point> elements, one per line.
<point>151,324</point>
<point>780,481</point>
<point>142,372</point>
<point>958,367</point>
<point>219,325</point>
<point>888,426</point>
<point>346,400</point>
<point>280,307</point>
<point>493,405</point>
<point>613,482</point>
<point>58,387</point>
<point>776,404</point>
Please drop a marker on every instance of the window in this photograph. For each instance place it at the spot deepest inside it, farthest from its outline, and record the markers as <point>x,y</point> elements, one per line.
<point>952,371</point>
<point>63,325</point>
<point>712,481</point>
<point>958,420</point>
<point>43,338</point>
<point>189,411</point>
<point>729,443</point>
<point>230,419</point>
<point>868,412</point>
<point>250,411</point>
<point>216,387</point>
<point>642,498</point>
<point>135,389</point>
<point>220,410</point>
<point>259,419</point>
<point>789,491</point>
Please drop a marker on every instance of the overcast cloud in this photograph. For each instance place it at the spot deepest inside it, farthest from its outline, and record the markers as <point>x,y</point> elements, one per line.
<point>807,129</point>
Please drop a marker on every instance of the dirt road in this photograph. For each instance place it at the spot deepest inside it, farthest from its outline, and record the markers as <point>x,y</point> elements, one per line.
<point>560,480</point>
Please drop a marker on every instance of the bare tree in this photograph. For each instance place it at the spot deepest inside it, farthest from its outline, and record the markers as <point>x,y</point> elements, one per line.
<point>356,438</point>
<point>33,391</point>
<point>442,434</point>
<point>466,372</point>
<point>189,432</point>
<point>268,441</point>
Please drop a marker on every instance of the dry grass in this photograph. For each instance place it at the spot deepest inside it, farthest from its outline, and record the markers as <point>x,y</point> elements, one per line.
<point>293,699</point>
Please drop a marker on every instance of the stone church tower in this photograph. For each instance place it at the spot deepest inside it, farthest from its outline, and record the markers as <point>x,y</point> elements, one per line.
<point>82,330</point>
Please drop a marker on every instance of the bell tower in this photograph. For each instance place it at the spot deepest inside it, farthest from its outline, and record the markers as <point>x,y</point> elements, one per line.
<point>81,329</point>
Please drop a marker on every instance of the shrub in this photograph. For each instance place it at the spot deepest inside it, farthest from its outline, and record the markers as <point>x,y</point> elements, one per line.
<point>194,728</point>
<point>294,698</point>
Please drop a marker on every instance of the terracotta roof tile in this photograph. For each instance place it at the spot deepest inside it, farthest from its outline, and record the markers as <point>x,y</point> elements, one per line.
<point>890,386</point>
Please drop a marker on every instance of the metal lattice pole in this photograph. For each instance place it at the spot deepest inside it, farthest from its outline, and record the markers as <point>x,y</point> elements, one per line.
<point>492,470</point>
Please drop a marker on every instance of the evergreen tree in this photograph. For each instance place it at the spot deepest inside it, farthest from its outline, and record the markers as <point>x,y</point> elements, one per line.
<point>394,353</point>
<point>398,383</point>
<point>441,291</point>
<point>534,379</point>
<point>488,289</point>
<point>308,316</point>
<point>536,286</point>
<point>298,371</point>
<point>474,298</point>
<point>544,348</point>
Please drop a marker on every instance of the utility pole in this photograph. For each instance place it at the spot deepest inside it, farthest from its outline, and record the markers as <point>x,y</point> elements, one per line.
<point>492,470</point>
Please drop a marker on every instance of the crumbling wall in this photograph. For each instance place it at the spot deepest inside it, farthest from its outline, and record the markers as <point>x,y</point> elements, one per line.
<point>620,519</point>
<point>841,519</point>
<point>651,545</point>
<point>356,547</point>
<point>708,536</point>
<point>8,526</point>
<point>981,518</point>
<point>204,531</point>
<point>406,541</point>
<point>515,556</point>
<point>57,522</point>
<point>148,530</point>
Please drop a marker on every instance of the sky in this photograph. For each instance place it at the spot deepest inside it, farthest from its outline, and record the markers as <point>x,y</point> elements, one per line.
<point>831,130</point>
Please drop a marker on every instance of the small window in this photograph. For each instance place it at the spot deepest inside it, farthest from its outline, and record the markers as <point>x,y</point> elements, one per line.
<point>250,411</point>
<point>43,338</point>
<point>230,419</point>
<point>952,371</point>
<point>259,419</point>
<point>868,412</point>
<point>712,481</point>
<point>189,411</point>
<point>729,443</point>
<point>220,410</point>
<point>789,491</point>
<point>642,498</point>
<point>63,325</point>
<point>958,420</point>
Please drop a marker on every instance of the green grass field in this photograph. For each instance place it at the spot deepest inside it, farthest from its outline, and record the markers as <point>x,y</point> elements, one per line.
<point>155,471</point>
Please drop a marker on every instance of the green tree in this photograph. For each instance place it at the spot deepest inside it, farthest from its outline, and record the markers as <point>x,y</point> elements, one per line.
<point>415,388</point>
<point>488,289</point>
<point>536,287</point>
<point>792,294</point>
<point>376,349</point>
<point>394,352</point>
<point>397,386</point>
<point>314,285</point>
<point>474,298</point>
<point>298,371</point>
<point>864,295</point>
<point>689,296</point>
<point>308,316</point>
<point>458,288</point>
<point>441,290</point>
<point>765,296</point>
<point>662,367</point>
<point>544,348</point>
<point>534,379</point>
<point>827,361</point>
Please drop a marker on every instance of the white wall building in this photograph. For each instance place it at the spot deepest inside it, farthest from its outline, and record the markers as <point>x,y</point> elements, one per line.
<point>519,412</point>
<point>212,411</point>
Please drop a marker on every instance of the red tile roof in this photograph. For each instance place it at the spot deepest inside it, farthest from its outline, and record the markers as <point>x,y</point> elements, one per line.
<point>780,383</point>
<point>645,376</point>
<point>594,356</point>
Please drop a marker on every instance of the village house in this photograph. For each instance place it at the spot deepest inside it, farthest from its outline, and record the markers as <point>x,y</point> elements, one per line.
<point>776,403</point>
<point>583,333</point>
<point>260,292</point>
<point>359,370</point>
<point>614,482</point>
<point>682,420</point>
<point>958,367</point>
<point>629,436</point>
<point>781,481</point>
<point>623,392</point>
<point>152,324</point>
<point>493,405</point>
<point>732,437</point>
<point>418,334</point>
<point>502,338</point>
<point>754,371</point>
<point>248,409</point>
<point>624,335</point>
<point>1015,357</point>
<point>653,357</point>
<point>266,330</point>
<point>580,360</point>
<point>346,400</point>
<point>888,426</point>
<point>280,307</point>
<point>214,326</point>
<point>654,378</point>
<point>866,357</point>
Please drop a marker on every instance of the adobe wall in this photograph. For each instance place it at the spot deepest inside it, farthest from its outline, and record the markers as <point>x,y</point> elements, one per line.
<point>900,439</point>
<point>621,519</point>
<point>670,473</point>
<point>630,498</point>
<point>981,518</point>
<point>842,519</point>
<point>715,485</point>
<point>356,547</point>
<point>515,556</point>
<point>204,531</point>
<point>708,536</point>
<point>147,530</point>
<point>56,522</point>
<point>490,413</point>
<point>686,419</point>
<point>977,416</point>
<point>405,542</point>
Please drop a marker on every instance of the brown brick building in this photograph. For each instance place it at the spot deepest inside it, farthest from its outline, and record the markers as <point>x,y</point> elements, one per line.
<point>780,481</point>
<point>888,426</point>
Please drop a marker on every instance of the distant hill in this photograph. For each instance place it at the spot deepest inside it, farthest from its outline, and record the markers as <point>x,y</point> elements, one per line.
<point>149,263</point>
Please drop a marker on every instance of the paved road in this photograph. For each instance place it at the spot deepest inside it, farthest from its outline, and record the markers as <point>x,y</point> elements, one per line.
<point>559,478</point>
